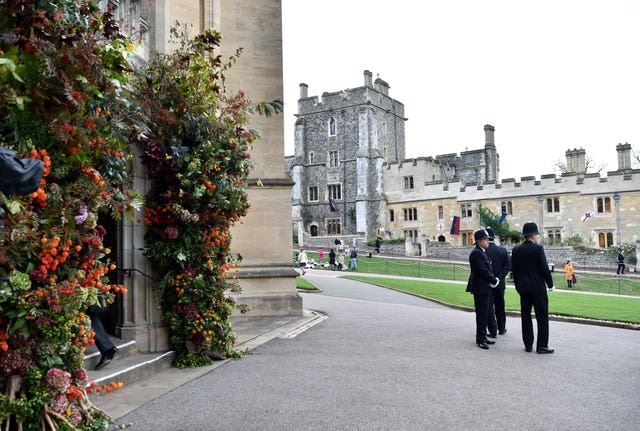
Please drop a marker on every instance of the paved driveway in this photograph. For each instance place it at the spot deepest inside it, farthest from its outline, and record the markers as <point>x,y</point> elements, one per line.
<point>388,361</point>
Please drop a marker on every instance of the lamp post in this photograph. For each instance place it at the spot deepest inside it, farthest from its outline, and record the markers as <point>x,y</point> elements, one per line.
<point>616,198</point>
<point>541,220</point>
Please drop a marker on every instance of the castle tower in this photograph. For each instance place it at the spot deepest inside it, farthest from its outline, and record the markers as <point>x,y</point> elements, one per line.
<point>342,140</point>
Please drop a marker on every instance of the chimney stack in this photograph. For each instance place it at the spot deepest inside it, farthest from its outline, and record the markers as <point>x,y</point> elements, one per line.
<point>304,90</point>
<point>368,79</point>
<point>576,161</point>
<point>624,156</point>
<point>489,141</point>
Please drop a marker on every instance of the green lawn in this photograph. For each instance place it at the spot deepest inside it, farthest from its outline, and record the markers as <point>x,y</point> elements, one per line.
<point>452,271</point>
<point>304,284</point>
<point>620,309</point>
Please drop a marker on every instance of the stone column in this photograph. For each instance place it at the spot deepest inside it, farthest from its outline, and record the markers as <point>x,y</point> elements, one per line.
<point>267,276</point>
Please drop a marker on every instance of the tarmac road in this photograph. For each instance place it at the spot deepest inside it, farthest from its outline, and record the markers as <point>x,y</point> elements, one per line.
<point>383,360</point>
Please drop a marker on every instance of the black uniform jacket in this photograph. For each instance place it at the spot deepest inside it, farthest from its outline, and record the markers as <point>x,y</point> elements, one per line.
<point>529,268</point>
<point>481,277</point>
<point>499,262</point>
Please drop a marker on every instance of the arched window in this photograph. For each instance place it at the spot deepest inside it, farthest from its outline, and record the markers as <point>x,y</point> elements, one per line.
<point>332,126</point>
<point>605,239</point>
<point>603,205</point>
<point>506,207</point>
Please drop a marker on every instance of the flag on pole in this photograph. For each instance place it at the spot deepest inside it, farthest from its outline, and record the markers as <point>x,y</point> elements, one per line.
<point>503,217</point>
<point>587,215</point>
<point>455,226</point>
<point>332,206</point>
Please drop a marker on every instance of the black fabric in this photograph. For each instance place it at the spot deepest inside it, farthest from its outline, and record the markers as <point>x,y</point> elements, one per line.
<point>19,176</point>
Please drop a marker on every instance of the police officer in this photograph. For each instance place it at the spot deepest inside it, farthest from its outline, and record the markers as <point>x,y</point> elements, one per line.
<point>499,258</point>
<point>481,283</point>
<point>530,274</point>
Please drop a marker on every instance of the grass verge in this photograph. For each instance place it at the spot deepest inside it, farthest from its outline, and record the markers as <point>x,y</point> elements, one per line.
<point>599,307</point>
<point>304,284</point>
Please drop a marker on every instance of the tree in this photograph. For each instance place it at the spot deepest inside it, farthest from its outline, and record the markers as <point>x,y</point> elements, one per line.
<point>490,219</point>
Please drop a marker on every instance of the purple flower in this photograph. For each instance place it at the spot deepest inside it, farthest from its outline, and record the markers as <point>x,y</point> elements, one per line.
<point>80,377</point>
<point>37,276</point>
<point>58,379</point>
<point>171,232</point>
<point>82,215</point>
<point>13,362</point>
<point>59,404</point>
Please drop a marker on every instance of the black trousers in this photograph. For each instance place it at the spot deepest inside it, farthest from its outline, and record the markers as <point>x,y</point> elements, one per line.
<point>499,322</point>
<point>103,343</point>
<point>540,303</point>
<point>482,304</point>
<point>621,267</point>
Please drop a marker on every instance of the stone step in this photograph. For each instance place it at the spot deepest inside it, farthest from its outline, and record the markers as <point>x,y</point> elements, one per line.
<point>128,366</point>
<point>126,348</point>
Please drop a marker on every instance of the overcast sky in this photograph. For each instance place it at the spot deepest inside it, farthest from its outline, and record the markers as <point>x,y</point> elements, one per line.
<point>549,75</point>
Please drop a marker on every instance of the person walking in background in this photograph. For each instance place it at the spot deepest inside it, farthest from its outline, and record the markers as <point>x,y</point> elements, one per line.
<point>378,242</point>
<point>302,261</point>
<point>530,274</point>
<point>320,256</point>
<point>354,259</point>
<point>568,270</point>
<point>499,258</point>
<point>620,260</point>
<point>481,283</point>
<point>332,260</point>
<point>340,261</point>
<point>107,349</point>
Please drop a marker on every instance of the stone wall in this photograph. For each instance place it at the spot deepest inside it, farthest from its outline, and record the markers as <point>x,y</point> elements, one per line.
<point>556,255</point>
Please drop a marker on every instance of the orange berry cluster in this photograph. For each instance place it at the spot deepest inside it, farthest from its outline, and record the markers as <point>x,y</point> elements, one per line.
<point>84,336</point>
<point>39,195</point>
<point>94,175</point>
<point>108,388</point>
<point>4,337</point>
<point>159,215</point>
<point>52,254</point>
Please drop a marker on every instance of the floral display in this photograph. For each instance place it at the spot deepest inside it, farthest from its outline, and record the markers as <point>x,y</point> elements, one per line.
<point>62,65</point>
<point>196,152</point>
<point>69,99</point>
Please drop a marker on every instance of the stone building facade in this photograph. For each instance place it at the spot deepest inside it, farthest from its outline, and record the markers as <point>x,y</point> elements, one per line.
<point>266,276</point>
<point>342,141</point>
<point>558,204</point>
<point>384,194</point>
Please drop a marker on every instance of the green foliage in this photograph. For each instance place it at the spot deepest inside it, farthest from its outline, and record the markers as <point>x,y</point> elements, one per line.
<point>502,231</point>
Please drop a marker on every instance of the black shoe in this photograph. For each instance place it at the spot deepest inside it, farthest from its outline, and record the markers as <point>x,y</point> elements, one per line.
<point>543,350</point>
<point>492,335</point>
<point>490,342</point>
<point>482,345</point>
<point>528,349</point>
<point>504,331</point>
<point>106,358</point>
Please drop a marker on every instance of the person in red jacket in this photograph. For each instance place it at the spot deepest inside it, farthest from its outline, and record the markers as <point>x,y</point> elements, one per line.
<point>530,275</point>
